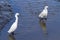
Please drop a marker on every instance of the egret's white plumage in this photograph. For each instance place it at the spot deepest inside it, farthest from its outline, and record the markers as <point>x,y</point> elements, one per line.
<point>44,13</point>
<point>14,25</point>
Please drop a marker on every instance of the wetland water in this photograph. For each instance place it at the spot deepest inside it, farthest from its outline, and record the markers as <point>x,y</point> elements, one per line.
<point>29,26</point>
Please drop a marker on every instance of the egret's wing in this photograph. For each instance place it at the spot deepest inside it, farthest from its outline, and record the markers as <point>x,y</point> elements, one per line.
<point>13,27</point>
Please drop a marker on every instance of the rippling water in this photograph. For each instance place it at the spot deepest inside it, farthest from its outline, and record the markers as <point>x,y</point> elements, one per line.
<point>29,26</point>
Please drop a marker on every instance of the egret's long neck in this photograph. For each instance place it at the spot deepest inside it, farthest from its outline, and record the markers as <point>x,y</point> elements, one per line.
<point>46,10</point>
<point>16,19</point>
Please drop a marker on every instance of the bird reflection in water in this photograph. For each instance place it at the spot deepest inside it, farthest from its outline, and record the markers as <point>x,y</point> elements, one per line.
<point>43,25</point>
<point>11,37</point>
<point>44,29</point>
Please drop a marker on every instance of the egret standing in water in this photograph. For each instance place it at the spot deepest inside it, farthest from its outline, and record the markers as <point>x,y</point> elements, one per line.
<point>44,13</point>
<point>14,25</point>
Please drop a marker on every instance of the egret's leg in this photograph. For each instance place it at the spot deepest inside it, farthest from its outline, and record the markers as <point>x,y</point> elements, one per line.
<point>12,33</point>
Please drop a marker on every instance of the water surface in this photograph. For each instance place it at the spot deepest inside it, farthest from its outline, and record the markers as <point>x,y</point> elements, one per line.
<point>29,26</point>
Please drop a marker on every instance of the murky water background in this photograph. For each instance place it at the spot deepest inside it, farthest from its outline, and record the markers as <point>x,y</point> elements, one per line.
<point>29,26</point>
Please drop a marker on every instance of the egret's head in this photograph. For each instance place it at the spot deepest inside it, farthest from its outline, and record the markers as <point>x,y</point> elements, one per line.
<point>46,6</point>
<point>17,14</point>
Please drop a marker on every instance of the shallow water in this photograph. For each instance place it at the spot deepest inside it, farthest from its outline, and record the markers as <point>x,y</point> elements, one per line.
<point>29,26</point>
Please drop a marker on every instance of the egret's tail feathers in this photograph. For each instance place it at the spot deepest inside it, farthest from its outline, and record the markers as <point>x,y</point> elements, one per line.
<point>8,31</point>
<point>40,16</point>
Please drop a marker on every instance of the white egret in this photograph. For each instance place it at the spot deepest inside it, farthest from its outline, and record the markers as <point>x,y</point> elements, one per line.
<point>43,14</point>
<point>14,25</point>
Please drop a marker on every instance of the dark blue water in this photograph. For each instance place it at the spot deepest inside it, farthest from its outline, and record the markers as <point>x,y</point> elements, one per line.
<point>29,26</point>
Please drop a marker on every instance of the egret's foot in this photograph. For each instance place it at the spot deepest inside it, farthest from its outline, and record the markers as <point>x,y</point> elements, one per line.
<point>45,18</point>
<point>12,33</point>
<point>41,18</point>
